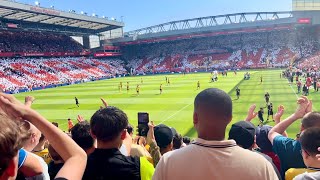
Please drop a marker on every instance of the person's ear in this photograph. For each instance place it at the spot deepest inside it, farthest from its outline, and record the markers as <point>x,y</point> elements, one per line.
<point>195,118</point>
<point>33,137</point>
<point>123,134</point>
<point>93,135</point>
<point>171,146</point>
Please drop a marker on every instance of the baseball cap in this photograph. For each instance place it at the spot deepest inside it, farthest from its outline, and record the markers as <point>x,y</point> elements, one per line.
<point>243,133</point>
<point>163,135</point>
<point>262,138</point>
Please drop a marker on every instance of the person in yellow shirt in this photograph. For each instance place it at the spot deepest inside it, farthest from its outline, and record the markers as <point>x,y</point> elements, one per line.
<point>310,141</point>
<point>41,149</point>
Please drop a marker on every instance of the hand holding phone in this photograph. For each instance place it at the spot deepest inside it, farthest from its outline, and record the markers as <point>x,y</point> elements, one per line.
<point>143,120</point>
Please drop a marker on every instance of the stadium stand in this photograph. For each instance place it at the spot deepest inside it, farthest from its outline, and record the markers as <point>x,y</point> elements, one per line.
<point>251,50</point>
<point>29,74</point>
<point>36,42</point>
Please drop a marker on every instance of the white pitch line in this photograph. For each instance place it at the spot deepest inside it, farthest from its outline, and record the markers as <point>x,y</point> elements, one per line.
<point>175,113</point>
<point>294,91</point>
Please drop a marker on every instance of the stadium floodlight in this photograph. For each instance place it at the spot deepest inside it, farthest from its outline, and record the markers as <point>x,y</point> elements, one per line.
<point>37,3</point>
<point>94,14</point>
<point>103,17</point>
<point>52,7</point>
<point>112,19</point>
<point>81,12</point>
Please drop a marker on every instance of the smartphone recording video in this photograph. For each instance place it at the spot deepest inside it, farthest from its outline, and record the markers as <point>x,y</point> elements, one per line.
<point>143,120</point>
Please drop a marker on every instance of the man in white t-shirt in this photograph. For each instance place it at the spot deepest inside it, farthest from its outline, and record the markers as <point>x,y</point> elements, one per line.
<point>210,156</point>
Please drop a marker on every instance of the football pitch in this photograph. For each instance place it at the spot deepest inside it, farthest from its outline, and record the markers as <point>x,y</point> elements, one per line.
<point>174,107</point>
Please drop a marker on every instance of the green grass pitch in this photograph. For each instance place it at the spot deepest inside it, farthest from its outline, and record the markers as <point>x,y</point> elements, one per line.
<point>175,106</point>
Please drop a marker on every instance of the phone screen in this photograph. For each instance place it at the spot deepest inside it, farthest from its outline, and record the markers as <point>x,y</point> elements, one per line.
<point>143,120</point>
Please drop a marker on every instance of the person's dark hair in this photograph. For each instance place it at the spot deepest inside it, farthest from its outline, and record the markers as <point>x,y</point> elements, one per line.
<point>42,138</point>
<point>80,133</point>
<point>177,141</point>
<point>107,123</point>
<point>186,140</point>
<point>217,101</point>
<point>130,129</point>
<point>55,124</point>
<point>53,154</point>
<point>10,141</point>
<point>311,120</point>
<point>310,140</point>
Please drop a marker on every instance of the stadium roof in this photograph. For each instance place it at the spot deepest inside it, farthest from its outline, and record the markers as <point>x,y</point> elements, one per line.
<point>213,21</point>
<point>220,25</point>
<point>27,16</point>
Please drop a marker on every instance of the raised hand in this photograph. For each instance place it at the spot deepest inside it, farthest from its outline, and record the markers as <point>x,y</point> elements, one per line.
<point>251,114</point>
<point>303,106</point>
<point>104,102</point>
<point>309,108</point>
<point>12,107</point>
<point>150,135</point>
<point>28,100</point>
<point>279,114</point>
<point>80,118</point>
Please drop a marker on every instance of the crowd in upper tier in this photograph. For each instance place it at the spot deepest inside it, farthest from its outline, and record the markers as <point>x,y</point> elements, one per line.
<point>249,50</point>
<point>31,42</point>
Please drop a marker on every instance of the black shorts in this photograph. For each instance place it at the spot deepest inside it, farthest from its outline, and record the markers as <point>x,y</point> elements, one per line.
<point>270,112</point>
<point>261,119</point>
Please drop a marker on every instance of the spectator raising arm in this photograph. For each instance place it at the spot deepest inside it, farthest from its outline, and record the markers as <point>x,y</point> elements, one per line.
<point>251,114</point>
<point>304,107</point>
<point>72,154</point>
<point>277,118</point>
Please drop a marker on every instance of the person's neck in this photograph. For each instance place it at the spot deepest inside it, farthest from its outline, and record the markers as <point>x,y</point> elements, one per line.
<point>90,150</point>
<point>313,164</point>
<point>28,147</point>
<point>108,144</point>
<point>210,136</point>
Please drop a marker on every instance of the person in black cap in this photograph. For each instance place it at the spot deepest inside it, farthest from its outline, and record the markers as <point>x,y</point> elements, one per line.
<point>160,139</point>
<point>163,136</point>
<point>265,145</point>
<point>244,133</point>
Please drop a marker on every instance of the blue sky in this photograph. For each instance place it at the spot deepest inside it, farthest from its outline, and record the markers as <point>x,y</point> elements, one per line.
<point>143,13</point>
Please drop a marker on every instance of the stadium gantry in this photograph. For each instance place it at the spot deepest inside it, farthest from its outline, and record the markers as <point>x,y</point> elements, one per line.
<point>212,21</point>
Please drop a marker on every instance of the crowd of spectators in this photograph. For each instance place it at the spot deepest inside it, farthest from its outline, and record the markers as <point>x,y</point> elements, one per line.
<point>236,51</point>
<point>30,73</point>
<point>105,147</point>
<point>36,42</point>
